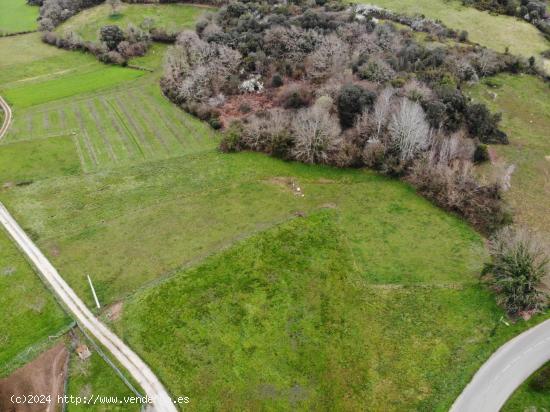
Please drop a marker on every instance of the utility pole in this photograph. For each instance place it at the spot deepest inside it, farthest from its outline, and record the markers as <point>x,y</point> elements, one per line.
<point>93,291</point>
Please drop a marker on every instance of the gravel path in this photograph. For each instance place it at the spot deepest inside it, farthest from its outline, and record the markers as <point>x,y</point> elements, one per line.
<point>134,365</point>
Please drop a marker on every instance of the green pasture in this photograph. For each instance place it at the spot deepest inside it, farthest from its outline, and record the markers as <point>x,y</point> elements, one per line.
<point>16,16</point>
<point>527,398</point>
<point>29,312</point>
<point>525,105</point>
<point>493,31</point>
<point>293,319</point>
<point>133,225</point>
<point>171,17</point>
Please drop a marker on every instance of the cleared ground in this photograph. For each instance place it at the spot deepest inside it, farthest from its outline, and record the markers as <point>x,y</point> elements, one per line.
<point>171,17</point>
<point>45,376</point>
<point>525,104</point>
<point>16,16</point>
<point>494,31</point>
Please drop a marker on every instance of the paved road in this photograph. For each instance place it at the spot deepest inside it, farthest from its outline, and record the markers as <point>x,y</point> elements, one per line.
<point>128,359</point>
<point>505,370</point>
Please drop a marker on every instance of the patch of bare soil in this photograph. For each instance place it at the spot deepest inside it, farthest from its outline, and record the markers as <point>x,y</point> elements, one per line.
<point>241,105</point>
<point>114,311</point>
<point>289,184</point>
<point>43,377</point>
<point>493,157</point>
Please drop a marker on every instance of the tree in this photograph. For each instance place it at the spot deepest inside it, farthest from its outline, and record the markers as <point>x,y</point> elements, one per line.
<point>382,109</point>
<point>111,35</point>
<point>329,58</point>
<point>351,102</point>
<point>481,123</point>
<point>519,263</point>
<point>409,130</point>
<point>115,5</point>
<point>316,133</point>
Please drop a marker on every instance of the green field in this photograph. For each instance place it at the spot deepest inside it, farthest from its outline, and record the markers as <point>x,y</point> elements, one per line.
<point>92,377</point>
<point>238,292</point>
<point>528,399</point>
<point>525,104</point>
<point>29,312</point>
<point>16,16</point>
<point>293,319</point>
<point>493,31</point>
<point>171,17</point>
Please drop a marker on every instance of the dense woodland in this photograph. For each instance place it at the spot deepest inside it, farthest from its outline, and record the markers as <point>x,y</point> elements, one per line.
<point>345,86</point>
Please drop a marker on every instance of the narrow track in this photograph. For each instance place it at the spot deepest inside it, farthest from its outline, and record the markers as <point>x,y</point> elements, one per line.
<point>143,375</point>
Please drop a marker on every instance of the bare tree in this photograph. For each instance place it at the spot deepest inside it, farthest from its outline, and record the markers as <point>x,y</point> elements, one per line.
<point>382,109</point>
<point>329,58</point>
<point>316,133</point>
<point>486,62</point>
<point>115,5</point>
<point>409,130</point>
<point>197,69</point>
<point>292,44</point>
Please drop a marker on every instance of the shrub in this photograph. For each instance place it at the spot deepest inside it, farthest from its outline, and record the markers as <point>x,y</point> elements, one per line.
<point>481,153</point>
<point>484,125</point>
<point>541,381</point>
<point>519,263</point>
<point>215,123</point>
<point>231,141</point>
<point>351,102</point>
<point>463,36</point>
<point>295,97</point>
<point>111,35</point>
<point>276,80</point>
<point>456,189</point>
<point>316,134</point>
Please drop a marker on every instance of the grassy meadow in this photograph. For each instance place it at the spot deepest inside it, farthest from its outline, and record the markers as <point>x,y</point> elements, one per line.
<point>137,224</point>
<point>525,104</point>
<point>171,17</point>
<point>29,312</point>
<point>16,16</point>
<point>527,398</point>
<point>493,31</point>
<point>293,319</point>
<point>242,293</point>
<point>93,377</point>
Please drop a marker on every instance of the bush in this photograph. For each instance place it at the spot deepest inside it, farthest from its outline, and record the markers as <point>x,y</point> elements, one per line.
<point>541,381</point>
<point>484,125</point>
<point>231,141</point>
<point>215,123</point>
<point>111,35</point>
<point>295,97</point>
<point>481,153</point>
<point>457,190</point>
<point>519,263</point>
<point>352,101</point>
<point>276,80</point>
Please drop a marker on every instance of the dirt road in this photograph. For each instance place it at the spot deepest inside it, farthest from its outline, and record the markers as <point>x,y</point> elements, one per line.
<point>129,360</point>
